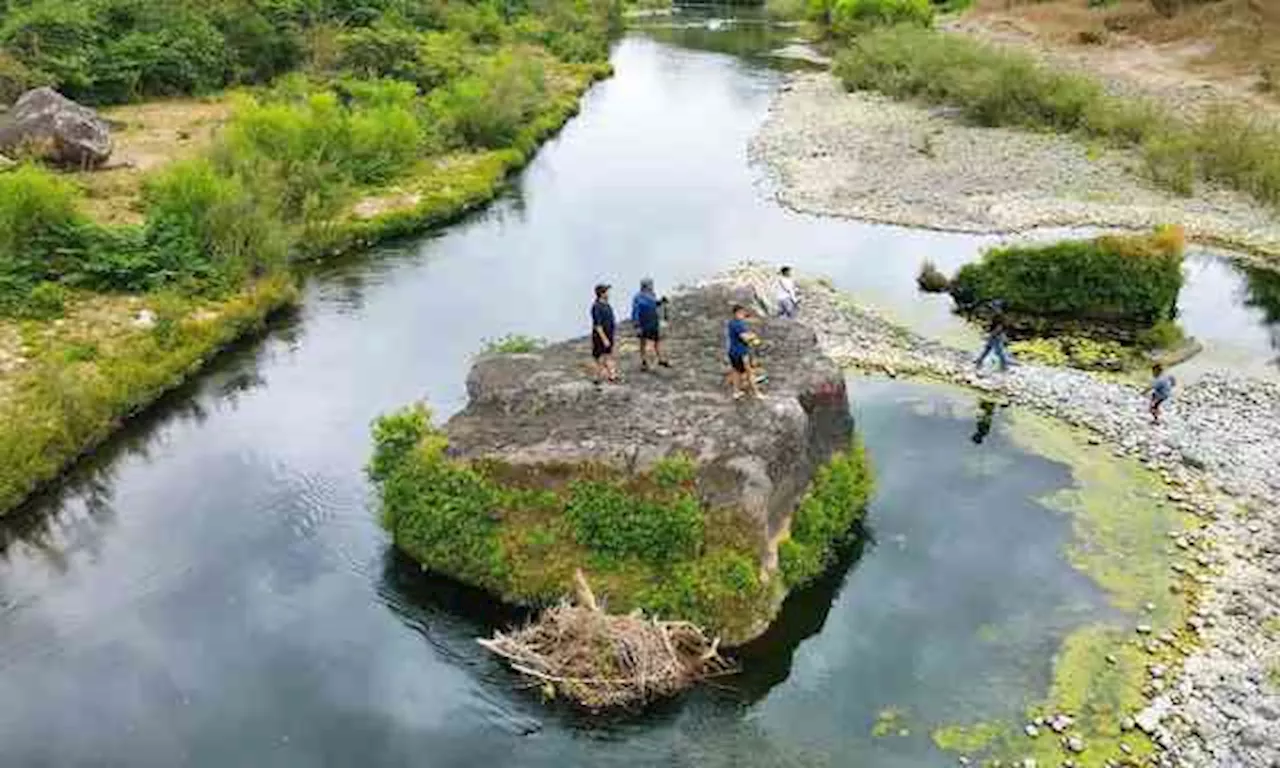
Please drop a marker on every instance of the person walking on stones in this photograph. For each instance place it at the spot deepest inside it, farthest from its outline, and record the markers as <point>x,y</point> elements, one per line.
<point>1162,385</point>
<point>645,316</point>
<point>740,340</point>
<point>788,297</point>
<point>603,328</point>
<point>997,340</point>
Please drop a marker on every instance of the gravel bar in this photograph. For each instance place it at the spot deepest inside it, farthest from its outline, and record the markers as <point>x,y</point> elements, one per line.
<point>862,155</point>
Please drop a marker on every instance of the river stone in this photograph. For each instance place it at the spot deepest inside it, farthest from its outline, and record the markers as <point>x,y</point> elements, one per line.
<point>46,123</point>
<point>538,411</point>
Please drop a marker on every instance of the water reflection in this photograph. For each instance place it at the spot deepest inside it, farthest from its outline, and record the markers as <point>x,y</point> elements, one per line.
<point>986,413</point>
<point>766,661</point>
<point>1264,295</point>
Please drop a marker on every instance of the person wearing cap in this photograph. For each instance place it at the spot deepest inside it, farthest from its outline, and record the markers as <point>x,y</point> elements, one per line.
<point>603,327</point>
<point>740,340</point>
<point>644,314</point>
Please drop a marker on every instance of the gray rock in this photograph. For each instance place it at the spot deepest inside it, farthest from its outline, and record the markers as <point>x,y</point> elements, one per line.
<point>539,411</point>
<point>1147,721</point>
<point>49,125</point>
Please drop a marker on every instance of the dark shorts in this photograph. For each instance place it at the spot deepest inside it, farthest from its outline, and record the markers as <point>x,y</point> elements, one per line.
<point>650,334</point>
<point>598,348</point>
<point>739,363</point>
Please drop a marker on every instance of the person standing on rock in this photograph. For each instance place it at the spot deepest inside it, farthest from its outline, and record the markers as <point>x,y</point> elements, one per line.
<point>997,340</point>
<point>603,328</point>
<point>741,339</point>
<point>788,297</point>
<point>1161,390</point>
<point>644,313</point>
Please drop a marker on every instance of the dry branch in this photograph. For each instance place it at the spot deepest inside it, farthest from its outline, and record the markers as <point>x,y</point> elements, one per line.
<point>601,660</point>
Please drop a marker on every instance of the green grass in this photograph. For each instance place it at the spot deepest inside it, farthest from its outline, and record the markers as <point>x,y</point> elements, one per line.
<point>513,344</point>
<point>645,540</point>
<point>999,87</point>
<point>432,108</point>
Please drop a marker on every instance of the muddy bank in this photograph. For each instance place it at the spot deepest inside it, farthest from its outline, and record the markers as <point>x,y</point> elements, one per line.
<point>864,156</point>
<point>1217,451</point>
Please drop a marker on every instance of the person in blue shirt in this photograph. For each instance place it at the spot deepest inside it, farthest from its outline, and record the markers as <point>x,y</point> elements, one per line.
<point>645,316</point>
<point>603,329</point>
<point>740,340</point>
<point>1161,390</point>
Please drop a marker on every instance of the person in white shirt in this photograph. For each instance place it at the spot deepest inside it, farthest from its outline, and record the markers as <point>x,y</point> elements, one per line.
<point>788,298</point>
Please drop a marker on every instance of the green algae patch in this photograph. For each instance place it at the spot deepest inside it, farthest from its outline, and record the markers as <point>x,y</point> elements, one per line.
<point>1120,521</point>
<point>644,539</point>
<point>890,721</point>
<point>1121,526</point>
<point>970,739</point>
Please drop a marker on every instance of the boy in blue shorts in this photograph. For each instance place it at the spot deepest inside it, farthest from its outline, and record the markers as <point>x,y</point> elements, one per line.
<point>740,341</point>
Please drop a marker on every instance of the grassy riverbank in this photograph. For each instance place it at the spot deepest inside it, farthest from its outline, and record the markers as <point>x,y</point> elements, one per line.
<point>1000,87</point>
<point>403,119</point>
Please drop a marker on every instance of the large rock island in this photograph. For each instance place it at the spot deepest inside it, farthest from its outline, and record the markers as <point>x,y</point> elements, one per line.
<point>667,493</point>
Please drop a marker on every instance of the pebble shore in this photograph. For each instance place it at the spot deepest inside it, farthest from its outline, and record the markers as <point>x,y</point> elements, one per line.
<point>862,155</point>
<point>1219,452</point>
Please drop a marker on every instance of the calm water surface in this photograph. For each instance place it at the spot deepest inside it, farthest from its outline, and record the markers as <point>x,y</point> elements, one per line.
<point>212,589</point>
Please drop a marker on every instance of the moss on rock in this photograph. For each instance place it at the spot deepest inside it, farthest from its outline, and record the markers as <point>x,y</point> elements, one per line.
<point>645,539</point>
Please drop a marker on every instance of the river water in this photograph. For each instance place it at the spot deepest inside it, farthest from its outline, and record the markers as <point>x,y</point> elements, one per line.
<point>212,588</point>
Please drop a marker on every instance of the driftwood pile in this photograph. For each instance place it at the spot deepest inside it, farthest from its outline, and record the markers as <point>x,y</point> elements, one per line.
<point>605,661</point>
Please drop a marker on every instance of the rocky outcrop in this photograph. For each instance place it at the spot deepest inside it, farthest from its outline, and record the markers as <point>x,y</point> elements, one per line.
<point>755,455</point>
<point>45,123</point>
<point>670,495</point>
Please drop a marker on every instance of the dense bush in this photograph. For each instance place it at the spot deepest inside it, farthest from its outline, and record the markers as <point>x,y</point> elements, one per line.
<point>845,18</point>
<point>1122,278</point>
<point>105,51</point>
<point>208,231</point>
<point>490,107</point>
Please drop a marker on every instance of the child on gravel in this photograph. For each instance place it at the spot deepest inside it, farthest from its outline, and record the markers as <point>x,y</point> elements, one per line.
<point>1162,385</point>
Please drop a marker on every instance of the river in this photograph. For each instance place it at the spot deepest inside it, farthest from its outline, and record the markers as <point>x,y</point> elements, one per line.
<point>211,588</point>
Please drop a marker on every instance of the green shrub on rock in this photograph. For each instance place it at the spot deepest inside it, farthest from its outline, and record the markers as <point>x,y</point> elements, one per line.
<point>616,522</point>
<point>1133,279</point>
<point>826,516</point>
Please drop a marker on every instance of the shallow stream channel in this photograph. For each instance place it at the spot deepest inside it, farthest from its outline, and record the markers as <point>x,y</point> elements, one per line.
<point>212,587</point>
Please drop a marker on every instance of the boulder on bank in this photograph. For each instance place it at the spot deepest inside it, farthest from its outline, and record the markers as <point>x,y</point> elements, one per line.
<point>48,125</point>
<point>671,496</point>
